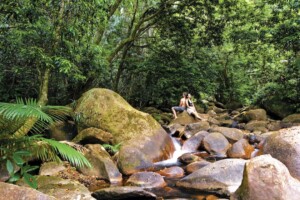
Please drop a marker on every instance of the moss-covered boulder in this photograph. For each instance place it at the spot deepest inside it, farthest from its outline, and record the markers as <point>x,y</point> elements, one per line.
<point>144,141</point>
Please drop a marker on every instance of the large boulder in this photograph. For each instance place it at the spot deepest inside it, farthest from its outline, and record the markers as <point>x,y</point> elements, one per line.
<point>222,177</point>
<point>15,192</point>
<point>184,118</point>
<point>144,141</point>
<point>193,143</point>
<point>192,129</point>
<point>256,114</point>
<point>267,178</point>
<point>232,134</point>
<point>103,166</point>
<point>255,125</point>
<point>241,149</point>
<point>284,145</point>
<point>216,144</point>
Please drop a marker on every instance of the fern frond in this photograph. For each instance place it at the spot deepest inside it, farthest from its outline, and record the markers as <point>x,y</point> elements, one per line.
<point>15,112</point>
<point>58,113</point>
<point>68,153</point>
<point>44,149</point>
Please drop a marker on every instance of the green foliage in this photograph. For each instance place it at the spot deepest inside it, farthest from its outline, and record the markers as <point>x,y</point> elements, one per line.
<point>17,167</point>
<point>13,150</point>
<point>112,149</point>
<point>151,51</point>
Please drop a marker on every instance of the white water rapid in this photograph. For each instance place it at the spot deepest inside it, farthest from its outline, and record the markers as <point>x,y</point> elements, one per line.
<point>174,159</point>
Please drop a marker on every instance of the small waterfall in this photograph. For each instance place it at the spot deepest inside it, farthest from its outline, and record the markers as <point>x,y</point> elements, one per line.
<point>174,159</point>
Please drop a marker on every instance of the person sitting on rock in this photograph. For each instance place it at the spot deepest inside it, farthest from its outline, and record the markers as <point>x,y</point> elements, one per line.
<point>191,108</point>
<point>181,107</point>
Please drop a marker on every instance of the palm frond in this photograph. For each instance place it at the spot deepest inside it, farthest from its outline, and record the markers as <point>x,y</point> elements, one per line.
<point>16,115</point>
<point>58,113</point>
<point>68,153</point>
<point>15,112</point>
<point>44,149</point>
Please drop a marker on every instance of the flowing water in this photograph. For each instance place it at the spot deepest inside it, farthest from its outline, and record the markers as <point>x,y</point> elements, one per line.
<point>171,191</point>
<point>173,161</point>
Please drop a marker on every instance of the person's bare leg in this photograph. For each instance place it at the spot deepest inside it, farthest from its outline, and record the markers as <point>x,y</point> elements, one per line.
<point>197,116</point>
<point>174,113</point>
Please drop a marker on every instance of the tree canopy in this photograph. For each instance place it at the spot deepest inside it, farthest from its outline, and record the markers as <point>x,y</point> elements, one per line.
<point>150,51</point>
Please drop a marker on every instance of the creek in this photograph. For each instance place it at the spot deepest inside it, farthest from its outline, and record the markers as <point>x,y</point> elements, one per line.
<point>171,191</point>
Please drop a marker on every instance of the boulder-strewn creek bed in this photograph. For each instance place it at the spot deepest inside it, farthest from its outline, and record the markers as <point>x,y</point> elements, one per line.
<point>231,154</point>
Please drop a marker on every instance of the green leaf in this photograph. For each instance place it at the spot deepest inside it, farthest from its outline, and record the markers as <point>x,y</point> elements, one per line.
<point>68,153</point>
<point>10,167</point>
<point>29,168</point>
<point>23,153</point>
<point>18,159</point>
<point>30,180</point>
<point>14,178</point>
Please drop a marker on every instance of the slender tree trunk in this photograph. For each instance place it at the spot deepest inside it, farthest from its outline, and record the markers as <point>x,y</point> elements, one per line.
<point>44,79</point>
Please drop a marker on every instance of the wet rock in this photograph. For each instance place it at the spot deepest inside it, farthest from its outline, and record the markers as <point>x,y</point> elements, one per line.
<point>51,168</point>
<point>123,193</point>
<point>146,180</point>
<point>176,130</point>
<point>172,172</point>
<point>143,139</point>
<point>285,146</point>
<point>192,129</point>
<point>256,114</point>
<point>267,178</point>
<point>255,125</point>
<point>93,136</point>
<point>196,165</point>
<point>188,158</point>
<point>222,177</point>
<point>193,143</point>
<point>63,189</point>
<point>241,149</point>
<point>216,144</point>
<point>103,166</point>
<point>14,192</point>
<point>232,134</point>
